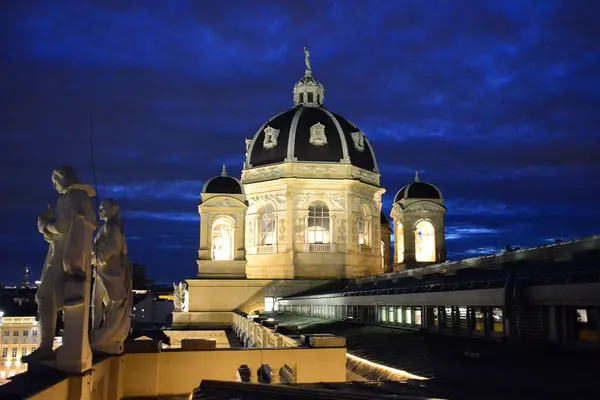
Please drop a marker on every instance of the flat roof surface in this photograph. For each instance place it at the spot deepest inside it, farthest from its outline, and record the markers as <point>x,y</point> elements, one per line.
<point>501,371</point>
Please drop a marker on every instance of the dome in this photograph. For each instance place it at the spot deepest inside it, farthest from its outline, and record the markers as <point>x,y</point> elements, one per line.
<point>223,184</point>
<point>309,132</point>
<point>418,190</point>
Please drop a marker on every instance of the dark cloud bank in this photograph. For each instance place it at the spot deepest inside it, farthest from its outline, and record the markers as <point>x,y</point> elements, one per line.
<point>495,102</point>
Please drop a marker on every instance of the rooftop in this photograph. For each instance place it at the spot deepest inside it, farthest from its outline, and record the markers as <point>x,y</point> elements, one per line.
<point>463,367</point>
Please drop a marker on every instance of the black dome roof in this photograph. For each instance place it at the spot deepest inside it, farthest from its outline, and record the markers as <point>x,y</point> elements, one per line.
<point>418,190</point>
<point>223,184</point>
<point>293,140</point>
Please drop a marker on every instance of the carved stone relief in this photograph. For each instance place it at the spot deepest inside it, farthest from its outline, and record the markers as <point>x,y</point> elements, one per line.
<point>317,135</point>
<point>305,198</point>
<point>424,207</point>
<point>317,168</point>
<point>250,236</point>
<point>341,228</point>
<point>366,175</point>
<point>266,172</point>
<point>299,230</point>
<point>278,198</point>
<point>359,140</point>
<point>282,230</point>
<point>271,135</point>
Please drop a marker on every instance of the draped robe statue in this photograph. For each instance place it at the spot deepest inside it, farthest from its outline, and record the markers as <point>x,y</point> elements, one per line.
<point>179,294</point>
<point>67,270</point>
<point>113,287</point>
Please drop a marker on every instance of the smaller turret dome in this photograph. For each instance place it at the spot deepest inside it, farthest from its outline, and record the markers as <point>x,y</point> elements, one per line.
<point>223,184</point>
<point>418,190</point>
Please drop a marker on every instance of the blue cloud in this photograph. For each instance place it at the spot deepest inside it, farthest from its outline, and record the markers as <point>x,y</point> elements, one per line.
<point>494,102</point>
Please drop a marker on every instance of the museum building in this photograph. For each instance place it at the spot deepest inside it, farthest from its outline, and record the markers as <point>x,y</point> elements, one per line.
<point>308,208</point>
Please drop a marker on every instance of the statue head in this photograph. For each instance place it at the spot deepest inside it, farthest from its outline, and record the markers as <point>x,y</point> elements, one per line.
<point>63,177</point>
<point>109,209</point>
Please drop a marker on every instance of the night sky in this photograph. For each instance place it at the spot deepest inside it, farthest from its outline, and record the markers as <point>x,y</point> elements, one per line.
<point>495,102</point>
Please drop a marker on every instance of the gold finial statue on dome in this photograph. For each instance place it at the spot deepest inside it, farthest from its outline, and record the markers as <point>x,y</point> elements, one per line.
<point>307,59</point>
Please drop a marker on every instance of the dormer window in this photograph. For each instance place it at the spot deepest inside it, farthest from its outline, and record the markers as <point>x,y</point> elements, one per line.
<point>301,97</point>
<point>271,135</point>
<point>317,134</point>
<point>359,140</point>
<point>310,97</point>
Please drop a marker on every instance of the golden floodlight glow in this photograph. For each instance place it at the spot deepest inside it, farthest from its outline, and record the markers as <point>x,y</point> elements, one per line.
<point>386,373</point>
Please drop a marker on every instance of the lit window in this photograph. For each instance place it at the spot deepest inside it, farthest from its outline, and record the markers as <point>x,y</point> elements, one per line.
<point>267,225</point>
<point>424,242</point>
<point>383,314</point>
<point>382,255</point>
<point>269,304</point>
<point>399,318</point>
<point>222,240</point>
<point>408,315</point>
<point>391,314</point>
<point>498,320</point>
<point>399,242</point>
<point>418,316</point>
<point>479,320</point>
<point>23,351</point>
<point>361,229</point>
<point>318,223</point>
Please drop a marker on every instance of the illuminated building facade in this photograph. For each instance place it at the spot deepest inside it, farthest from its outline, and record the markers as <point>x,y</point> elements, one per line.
<point>19,336</point>
<point>307,208</point>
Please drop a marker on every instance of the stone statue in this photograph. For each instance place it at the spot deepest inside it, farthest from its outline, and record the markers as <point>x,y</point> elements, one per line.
<point>113,286</point>
<point>67,271</point>
<point>179,296</point>
<point>307,59</point>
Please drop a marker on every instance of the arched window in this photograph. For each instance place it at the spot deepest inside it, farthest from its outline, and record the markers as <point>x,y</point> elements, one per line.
<point>222,239</point>
<point>362,231</point>
<point>318,223</point>
<point>267,225</point>
<point>399,242</point>
<point>424,242</point>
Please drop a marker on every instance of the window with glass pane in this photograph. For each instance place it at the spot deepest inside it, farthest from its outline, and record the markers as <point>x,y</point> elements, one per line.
<point>361,229</point>
<point>479,320</point>
<point>5,352</point>
<point>267,225</point>
<point>399,242</point>
<point>399,318</point>
<point>14,352</point>
<point>318,223</point>
<point>418,316</point>
<point>424,242</point>
<point>408,315</point>
<point>383,314</point>
<point>587,324</point>
<point>391,314</point>
<point>434,316</point>
<point>498,320</point>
